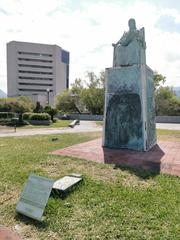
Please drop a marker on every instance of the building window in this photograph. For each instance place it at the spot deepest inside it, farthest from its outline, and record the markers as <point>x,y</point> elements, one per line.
<point>35,84</point>
<point>35,78</point>
<point>35,72</point>
<point>34,66</point>
<point>65,57</point>
<point>34,90</point>
<point>37,54</point>
<point>35,60</point>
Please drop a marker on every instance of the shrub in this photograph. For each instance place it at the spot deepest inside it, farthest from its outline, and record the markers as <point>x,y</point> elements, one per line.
<point>55,120</point>
<point>26,116</point>
<point>40,116</point>
<point>4,121</point>
<point>36,116</point>
<point>6,115</point>
<point>12,122</point>
<point>51,111</point>
<point>19,104</point>
<point>38,108</point>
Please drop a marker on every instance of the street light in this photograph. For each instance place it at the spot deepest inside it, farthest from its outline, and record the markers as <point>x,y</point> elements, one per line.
<point>48,91</point>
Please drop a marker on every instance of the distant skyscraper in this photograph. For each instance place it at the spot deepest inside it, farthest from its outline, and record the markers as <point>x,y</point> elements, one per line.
<point>39,71</point>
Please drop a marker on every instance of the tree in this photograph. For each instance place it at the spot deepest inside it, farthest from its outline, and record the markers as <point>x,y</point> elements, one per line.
<point>94,81</point>
<point>158,79</point>
<point>167,103</point>
<point>93,95</point>
<point>65,102</point>
<point>18,105</point>
<point>38,108</point>
<point>51,111</point>
<point>93,98</point>
<point>77,86</point>
<point>84,97</point>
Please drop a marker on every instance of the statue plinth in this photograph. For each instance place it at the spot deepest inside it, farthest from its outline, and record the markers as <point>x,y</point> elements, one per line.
<point>129,117</point>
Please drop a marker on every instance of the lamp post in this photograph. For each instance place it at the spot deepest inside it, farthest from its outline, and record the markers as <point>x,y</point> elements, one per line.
<point>48,91</point>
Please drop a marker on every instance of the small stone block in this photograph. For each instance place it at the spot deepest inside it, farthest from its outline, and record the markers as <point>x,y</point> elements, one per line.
<point>66,182</point>
<point>34,197</point>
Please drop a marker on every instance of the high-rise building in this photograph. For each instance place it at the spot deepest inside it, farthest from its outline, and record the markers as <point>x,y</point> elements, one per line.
<point>39,71</point>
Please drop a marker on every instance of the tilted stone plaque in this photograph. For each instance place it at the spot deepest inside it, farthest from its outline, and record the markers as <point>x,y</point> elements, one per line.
<point>34,197</point>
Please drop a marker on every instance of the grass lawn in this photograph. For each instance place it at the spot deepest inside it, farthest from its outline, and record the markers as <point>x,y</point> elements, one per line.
<point>60,123</point>
<point>168,135</point>
<point>109,204</point>
<point>99,123</point>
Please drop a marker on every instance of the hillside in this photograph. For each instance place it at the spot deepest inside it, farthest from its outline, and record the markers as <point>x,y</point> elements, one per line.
<point>177,90</point>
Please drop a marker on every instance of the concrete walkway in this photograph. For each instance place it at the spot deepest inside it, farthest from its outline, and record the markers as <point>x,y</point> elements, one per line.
<point>85,126</point>
<point>169,126</point>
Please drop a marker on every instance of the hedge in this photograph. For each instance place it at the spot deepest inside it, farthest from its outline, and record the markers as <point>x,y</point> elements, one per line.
<point>36,116</point>
<point>5,121</point>
<point>7,115</point>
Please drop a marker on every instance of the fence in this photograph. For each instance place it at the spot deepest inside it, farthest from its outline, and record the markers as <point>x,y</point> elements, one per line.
<point>88,117</point>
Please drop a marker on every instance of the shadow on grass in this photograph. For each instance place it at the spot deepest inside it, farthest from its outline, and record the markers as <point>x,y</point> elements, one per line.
<point>29,221</point>
<point>144,174</point>
<point>143,164</point>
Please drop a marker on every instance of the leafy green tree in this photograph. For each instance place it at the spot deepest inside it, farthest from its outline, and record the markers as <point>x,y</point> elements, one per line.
<point>93,95</point>
<point>88,97</point>
<point>159,79</point>
<point>38,108</point>
<point>77,86</point>
<point>18,105</point>
<point>51,111</point>
<point>94,81</point>
<point>93,98</point>
<point>167,103</point>
<point>65,102</point>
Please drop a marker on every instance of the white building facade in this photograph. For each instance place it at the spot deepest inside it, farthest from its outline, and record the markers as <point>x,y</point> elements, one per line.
<point>39,71</point>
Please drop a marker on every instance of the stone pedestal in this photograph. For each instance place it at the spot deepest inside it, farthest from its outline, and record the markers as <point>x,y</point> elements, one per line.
<point>129,117</point>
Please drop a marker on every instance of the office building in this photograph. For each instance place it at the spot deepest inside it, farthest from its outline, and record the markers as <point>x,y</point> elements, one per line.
<point>39,71</point>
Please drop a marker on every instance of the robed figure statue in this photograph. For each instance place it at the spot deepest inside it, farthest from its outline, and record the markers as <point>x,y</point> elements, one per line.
<point>130,49</point>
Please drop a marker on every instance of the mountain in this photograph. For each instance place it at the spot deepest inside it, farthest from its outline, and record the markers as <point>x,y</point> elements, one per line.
<point>177,91</point>
<point>2,94</point>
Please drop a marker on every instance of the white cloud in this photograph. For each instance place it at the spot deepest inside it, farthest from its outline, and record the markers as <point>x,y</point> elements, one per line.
<point>88,32</point>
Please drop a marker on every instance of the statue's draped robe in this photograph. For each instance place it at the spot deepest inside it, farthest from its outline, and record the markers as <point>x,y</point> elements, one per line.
<point>130,49</point>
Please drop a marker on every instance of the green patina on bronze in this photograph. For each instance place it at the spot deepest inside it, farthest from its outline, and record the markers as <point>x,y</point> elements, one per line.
<point>124,114</point>
<point>129,99</point>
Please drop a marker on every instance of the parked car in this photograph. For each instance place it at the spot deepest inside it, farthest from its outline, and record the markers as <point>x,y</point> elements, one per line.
<point>65,117</point>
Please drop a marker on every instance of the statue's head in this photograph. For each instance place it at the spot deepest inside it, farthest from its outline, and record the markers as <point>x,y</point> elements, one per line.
<point>132,24</point>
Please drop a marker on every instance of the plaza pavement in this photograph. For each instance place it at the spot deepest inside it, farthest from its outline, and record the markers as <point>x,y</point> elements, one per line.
<point>164,157</point>
<point>85,126</point>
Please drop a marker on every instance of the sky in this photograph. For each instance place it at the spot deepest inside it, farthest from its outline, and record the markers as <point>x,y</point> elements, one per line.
<point>87,29</point>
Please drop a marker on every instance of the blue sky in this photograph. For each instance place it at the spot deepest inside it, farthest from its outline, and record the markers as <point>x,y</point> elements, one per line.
<point>87,28</point>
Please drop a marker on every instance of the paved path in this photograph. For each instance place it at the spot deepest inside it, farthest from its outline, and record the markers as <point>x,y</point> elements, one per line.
<point>85,126</point>
<point>169,126</point>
